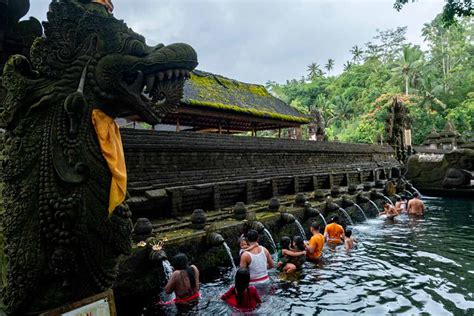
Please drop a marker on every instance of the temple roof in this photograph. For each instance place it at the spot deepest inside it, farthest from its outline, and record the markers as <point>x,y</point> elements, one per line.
<point>207,90</point>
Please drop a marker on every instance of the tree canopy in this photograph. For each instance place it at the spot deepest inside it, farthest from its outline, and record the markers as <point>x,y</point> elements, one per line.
<point>436,84</point>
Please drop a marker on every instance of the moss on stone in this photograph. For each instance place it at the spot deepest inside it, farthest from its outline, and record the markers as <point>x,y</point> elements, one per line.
<point>236,108</point>
<point>217,92</point>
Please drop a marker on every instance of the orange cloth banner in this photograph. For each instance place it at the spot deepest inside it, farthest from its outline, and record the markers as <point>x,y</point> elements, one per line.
<point>110,141</point>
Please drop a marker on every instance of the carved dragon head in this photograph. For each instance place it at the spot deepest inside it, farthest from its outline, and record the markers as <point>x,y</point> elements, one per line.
<point>62,243</point>
<point>127,78</point>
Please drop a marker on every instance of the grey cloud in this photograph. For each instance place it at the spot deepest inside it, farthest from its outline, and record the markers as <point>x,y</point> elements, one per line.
<point>256,41</point>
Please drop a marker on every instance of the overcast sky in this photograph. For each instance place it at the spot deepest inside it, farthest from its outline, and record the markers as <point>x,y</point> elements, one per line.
<point>260,40</point>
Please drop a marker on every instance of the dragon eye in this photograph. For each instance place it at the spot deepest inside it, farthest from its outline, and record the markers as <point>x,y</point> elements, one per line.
<point>137,49</point>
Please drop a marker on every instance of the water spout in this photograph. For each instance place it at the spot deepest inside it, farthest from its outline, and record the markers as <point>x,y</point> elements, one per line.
<point>388,200</point>
<point>214,239</point>
<point>360,209</point>
<point>416,190</point>
<point>256,225</point>
<point>347,215</point>
<point>375,205</point>
<point>397,196</point>
<point>411,194</point>
<point>301,229</point>
<point>322,217</point>
<point>167,268</point>
<point>229,253</point>
<point>287,218</point>
<point>272,242</point>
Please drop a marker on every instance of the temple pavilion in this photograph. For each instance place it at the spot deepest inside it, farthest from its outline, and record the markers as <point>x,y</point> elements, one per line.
<point>447,139</point>
<point>215,104</point>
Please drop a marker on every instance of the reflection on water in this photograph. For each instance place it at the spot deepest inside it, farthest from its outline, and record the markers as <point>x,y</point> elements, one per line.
<point>409,266</point>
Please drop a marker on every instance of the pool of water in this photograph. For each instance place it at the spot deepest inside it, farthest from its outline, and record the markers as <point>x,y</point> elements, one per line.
<point>406,266</point>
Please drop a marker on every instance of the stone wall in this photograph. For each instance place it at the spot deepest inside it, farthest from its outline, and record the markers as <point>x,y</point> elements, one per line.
<point>174,173</point>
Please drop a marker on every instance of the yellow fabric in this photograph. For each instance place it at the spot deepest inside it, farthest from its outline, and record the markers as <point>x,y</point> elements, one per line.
<point>335,233</point>
<point>110,142</point>
<point>317,243</point>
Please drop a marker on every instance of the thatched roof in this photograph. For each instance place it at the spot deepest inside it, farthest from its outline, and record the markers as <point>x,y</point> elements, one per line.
<point>205,90</point>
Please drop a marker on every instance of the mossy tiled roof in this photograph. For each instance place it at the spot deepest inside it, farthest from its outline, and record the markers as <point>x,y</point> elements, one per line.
<point>205,89</point>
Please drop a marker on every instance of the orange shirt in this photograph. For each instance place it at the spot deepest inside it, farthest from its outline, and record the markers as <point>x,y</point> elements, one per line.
<point>335,233</point>
<point>316,242</point>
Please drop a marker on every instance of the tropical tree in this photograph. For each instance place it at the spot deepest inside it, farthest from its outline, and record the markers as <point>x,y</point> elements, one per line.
<point>314,71</point>
<point>356,52</point>
<point>347,65</point>
<point>330,65</point>
<point>409,64</point>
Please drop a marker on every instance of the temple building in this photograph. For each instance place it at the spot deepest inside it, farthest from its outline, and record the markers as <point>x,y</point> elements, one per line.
<point>447,139</point>
<point>214,104</point>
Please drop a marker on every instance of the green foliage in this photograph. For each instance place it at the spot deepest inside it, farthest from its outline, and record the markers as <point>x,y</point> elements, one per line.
<point>436,85</point>
<point>451,10</point>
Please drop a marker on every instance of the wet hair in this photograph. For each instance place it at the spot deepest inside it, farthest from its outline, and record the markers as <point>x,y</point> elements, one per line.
<point>335,219</point>
<point>252,235</point>
<point>243,238</point>
<point>315,226</point>
<point>415,194</point>
<point>242,280</point>
<point>180,262</point>
<point>348,233</point>
<point>285,242</point>
<point>399,199</point>
<point>404,197</point>
<point>298,243</point>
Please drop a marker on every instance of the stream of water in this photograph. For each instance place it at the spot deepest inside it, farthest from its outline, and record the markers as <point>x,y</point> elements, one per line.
<point>229,253</point>
<point>300,228</point>
<point>347,216</point>
<point>272,242</point>
<point>361,210</point>
<point>375,205</point>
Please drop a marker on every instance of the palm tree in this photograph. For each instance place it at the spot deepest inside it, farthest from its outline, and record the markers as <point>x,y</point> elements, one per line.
<point>342,108</point>
<point>356,52</point>
<point>326,108</point>
<point>330,65</point>
<point>314,71</point>
<point>347,65</point>
<point>409,64</point>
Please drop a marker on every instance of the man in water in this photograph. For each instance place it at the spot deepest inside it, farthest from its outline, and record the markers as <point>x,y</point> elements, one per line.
<point>314,247</point>
<point>416,206</point>
<point>258,260</point>
<point>334,233</point>
<point>401,205</point>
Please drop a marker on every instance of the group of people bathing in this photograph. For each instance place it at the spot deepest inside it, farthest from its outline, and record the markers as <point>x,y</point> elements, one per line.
<point>414,207</point>
<point>252,278</point>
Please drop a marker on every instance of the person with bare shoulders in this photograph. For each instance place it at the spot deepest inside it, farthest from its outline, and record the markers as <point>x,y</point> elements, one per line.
<point>184,282</point>
<point>389,211</point>
<point>258,260</point>
<point>416,206</point>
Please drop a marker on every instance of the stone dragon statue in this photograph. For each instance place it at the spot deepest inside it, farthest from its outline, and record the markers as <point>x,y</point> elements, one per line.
<point>62,242</point>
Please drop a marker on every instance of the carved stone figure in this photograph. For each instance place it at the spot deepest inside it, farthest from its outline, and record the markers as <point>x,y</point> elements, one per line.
<point>62,241</point>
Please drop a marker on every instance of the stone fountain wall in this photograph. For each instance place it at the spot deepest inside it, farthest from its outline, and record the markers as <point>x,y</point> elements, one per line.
<point>174,173</point>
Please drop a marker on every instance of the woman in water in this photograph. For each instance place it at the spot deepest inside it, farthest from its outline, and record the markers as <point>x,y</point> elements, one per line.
<point>242,295</point>
<point>288,257</point>
<point>184,281</point>
<point>298,246</point>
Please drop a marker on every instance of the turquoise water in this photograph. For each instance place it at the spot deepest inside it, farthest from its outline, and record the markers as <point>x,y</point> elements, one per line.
<point>409,266</point>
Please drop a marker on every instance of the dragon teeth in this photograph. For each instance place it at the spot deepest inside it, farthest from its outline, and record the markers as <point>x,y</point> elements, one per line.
<point>177,73</point>
<point>161,76</point>
<point>150,82</point>
<point>169,73</point>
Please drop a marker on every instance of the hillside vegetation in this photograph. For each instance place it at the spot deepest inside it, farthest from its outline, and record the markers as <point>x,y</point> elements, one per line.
<point>436,84</point>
